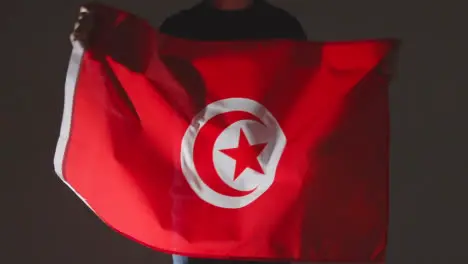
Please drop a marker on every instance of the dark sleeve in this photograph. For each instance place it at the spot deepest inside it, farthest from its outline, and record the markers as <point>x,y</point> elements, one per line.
<point>168,26</point>
<point>178,25</point>
<point>297,31</point>
<point>287,25</point>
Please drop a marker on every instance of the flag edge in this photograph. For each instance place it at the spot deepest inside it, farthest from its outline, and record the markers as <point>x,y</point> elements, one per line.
<point>71,80</point>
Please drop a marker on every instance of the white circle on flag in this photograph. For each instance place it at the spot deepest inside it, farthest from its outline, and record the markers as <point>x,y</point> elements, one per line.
<point>251,174</point>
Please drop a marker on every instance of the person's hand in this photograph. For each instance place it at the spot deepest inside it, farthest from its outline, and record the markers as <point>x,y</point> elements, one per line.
<point>83,27</point>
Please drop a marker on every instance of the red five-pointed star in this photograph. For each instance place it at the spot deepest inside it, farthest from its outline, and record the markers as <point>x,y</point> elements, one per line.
<point>245,155</point>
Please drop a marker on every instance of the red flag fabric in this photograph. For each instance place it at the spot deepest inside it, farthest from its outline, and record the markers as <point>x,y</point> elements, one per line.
<point>243,149</point>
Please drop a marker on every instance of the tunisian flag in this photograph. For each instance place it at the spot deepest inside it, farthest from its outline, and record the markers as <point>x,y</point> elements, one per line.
<point>267,150</point>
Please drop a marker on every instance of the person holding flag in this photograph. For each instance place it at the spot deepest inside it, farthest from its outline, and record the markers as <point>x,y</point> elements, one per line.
<point>225,136</point>
<point>218,20</point>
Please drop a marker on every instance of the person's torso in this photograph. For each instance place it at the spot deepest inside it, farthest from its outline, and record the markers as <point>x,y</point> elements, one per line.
<point>260,21</point>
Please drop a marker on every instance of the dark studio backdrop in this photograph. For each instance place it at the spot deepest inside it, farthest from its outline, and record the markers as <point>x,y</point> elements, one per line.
<point>45,223</point>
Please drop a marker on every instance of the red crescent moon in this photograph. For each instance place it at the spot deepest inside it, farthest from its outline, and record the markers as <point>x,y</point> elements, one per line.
<point>203,150</point>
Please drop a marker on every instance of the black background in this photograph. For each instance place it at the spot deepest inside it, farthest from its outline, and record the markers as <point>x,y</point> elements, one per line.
<point>46,223</point>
